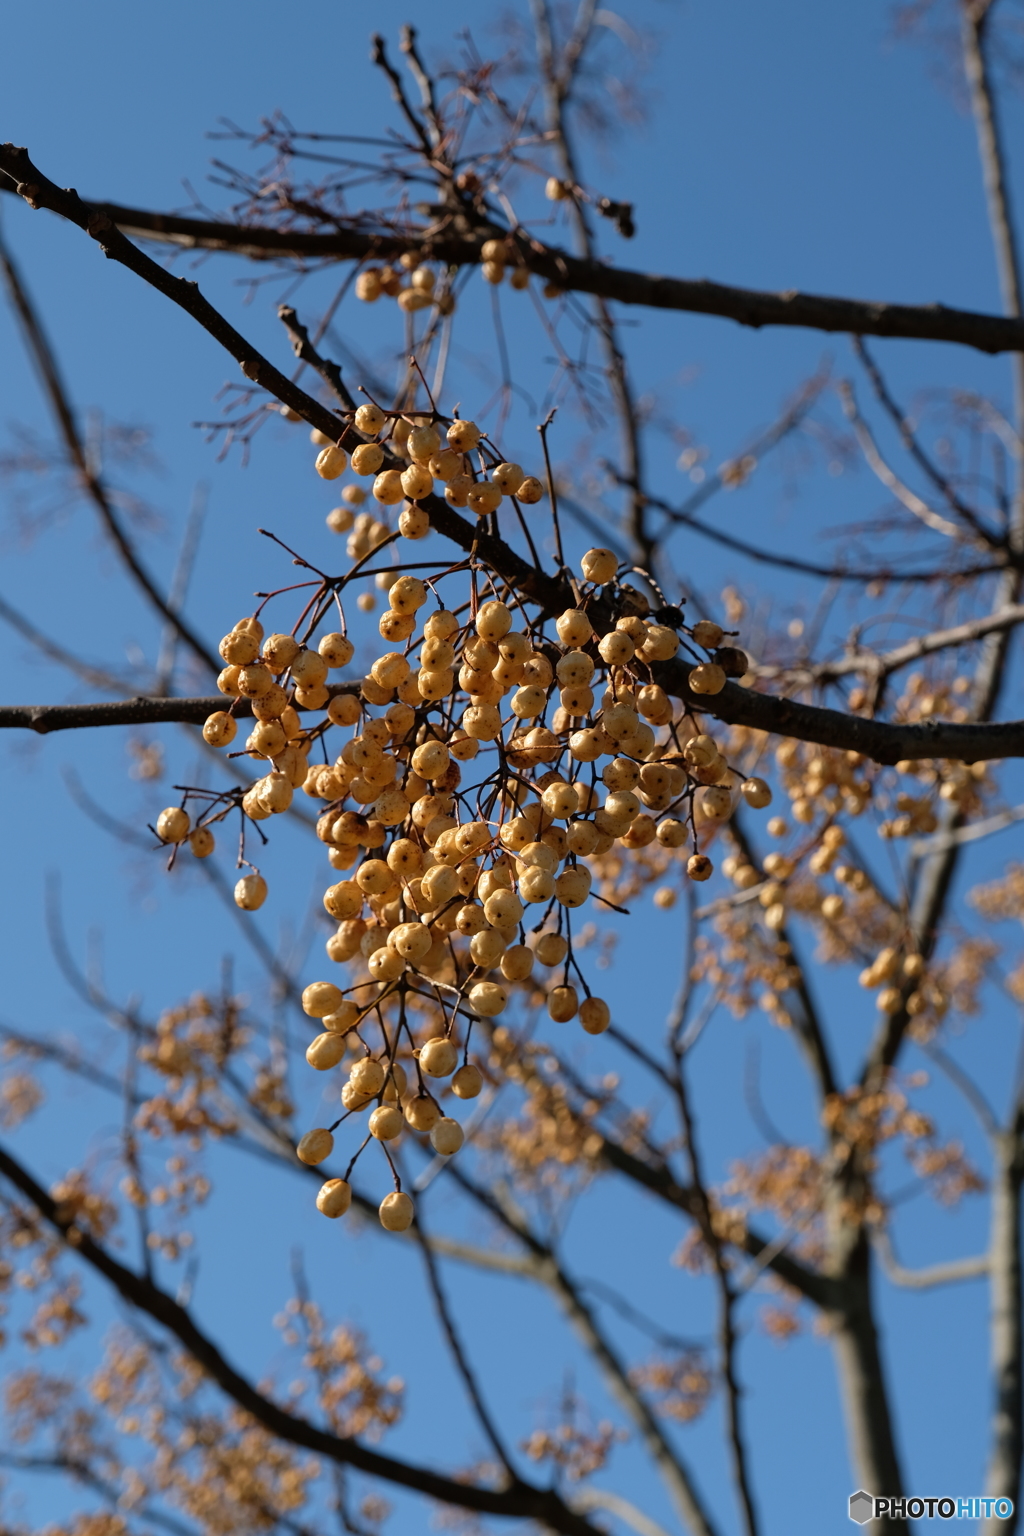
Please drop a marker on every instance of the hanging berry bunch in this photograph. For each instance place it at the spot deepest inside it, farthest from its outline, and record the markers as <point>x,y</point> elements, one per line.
<point>466,780</point>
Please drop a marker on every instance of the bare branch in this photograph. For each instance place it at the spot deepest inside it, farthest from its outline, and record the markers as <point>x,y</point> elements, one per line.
<point>934,1274</point>
<point>892,482</point>
<point>46,364</point>
<point>882,663</point>
<point>518,1501</point>
<point>747,306</point>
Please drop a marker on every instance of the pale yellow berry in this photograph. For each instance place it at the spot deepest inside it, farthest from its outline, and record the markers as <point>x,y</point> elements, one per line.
<point>456,492</point>
<point>308,668</point>
<point>219,729</point>
<point>201,842</point>
<point>367,1076</point>
<point>463,436</point>
<point>582,838</point>
<point>671,833</point>
<point>239,648</point>
<point>336,649</point>
<point>369,418</point>
<point>421,1112</point>
<point>574,628</point>
<point>340,519</point>
<point>325,1051</point>
<point>708,677</point>
<point>172,825</point>
<point>407,594</point>
<point>344,709</point>
<point>438,1057</point>
<point>595,1015</point>
<point>343,900</point>
<point>367,458</point>
<point>467,1082</point>
<point>386,1122</point>
<point>385,964</point>
<point>321,998</point>
<point>528,702</point>
<point>410,940</point>
<point>483,497</point>
<point>487,948</point>
<point>599,565</point>
<point>315,1146</point>
<point>369,290</point>
<point>396,1212</point>
<point>387,487</point>
<point>423,443</point>
<point>708,634</point>
<point>279,651</point>
<point>334,1197</point>
<point>573,886</point>
<point>756,793</point>
<point>411,299</point>
<point>503,909</point>
<point>562,1004</point>
<point>530,491</point>
<point>331,462</point>
<point>445,464</point>
<point>462,746</point>
<point>552,949</point>
<point>447,1136</point>
<point>699,867</point>
<point>343,1017</point>
<point>507,477</point>
<point>413,522</point>
<point>660,644</point>
<point>366,603</point>
<point>250,892</point>
<point>482,721</point>
<point>616,648</point>
<point>715,802</point>
<point>488,999</point>
<point>832,908</point>
<point>416,481</point>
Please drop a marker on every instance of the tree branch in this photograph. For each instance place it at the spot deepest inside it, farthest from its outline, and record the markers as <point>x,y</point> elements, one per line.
<point>881,663</point>
<point>934,1274</point>
<point>883,741</point>
<point>747,306</point>
<point>517,1501</point>
<point>46,364</point>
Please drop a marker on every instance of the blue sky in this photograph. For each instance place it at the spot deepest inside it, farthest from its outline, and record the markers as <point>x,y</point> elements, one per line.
<point>790,146</point>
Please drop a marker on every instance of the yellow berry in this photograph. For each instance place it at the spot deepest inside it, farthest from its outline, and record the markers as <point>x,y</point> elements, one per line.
<point>595,1015</point>
<point>201,842</point>
<point>438,1057</point>
<point>447,1137</point>
<point>315,1146</point>
<point>172,825</point>
<point>467,1082</point>
<point>396,1212</point>
<point>334,1197</point>
<point>331,462</point>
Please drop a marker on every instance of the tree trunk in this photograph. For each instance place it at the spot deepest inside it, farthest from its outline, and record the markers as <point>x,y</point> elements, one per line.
<point>1002,1479</point>
<point>858,1358</point>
